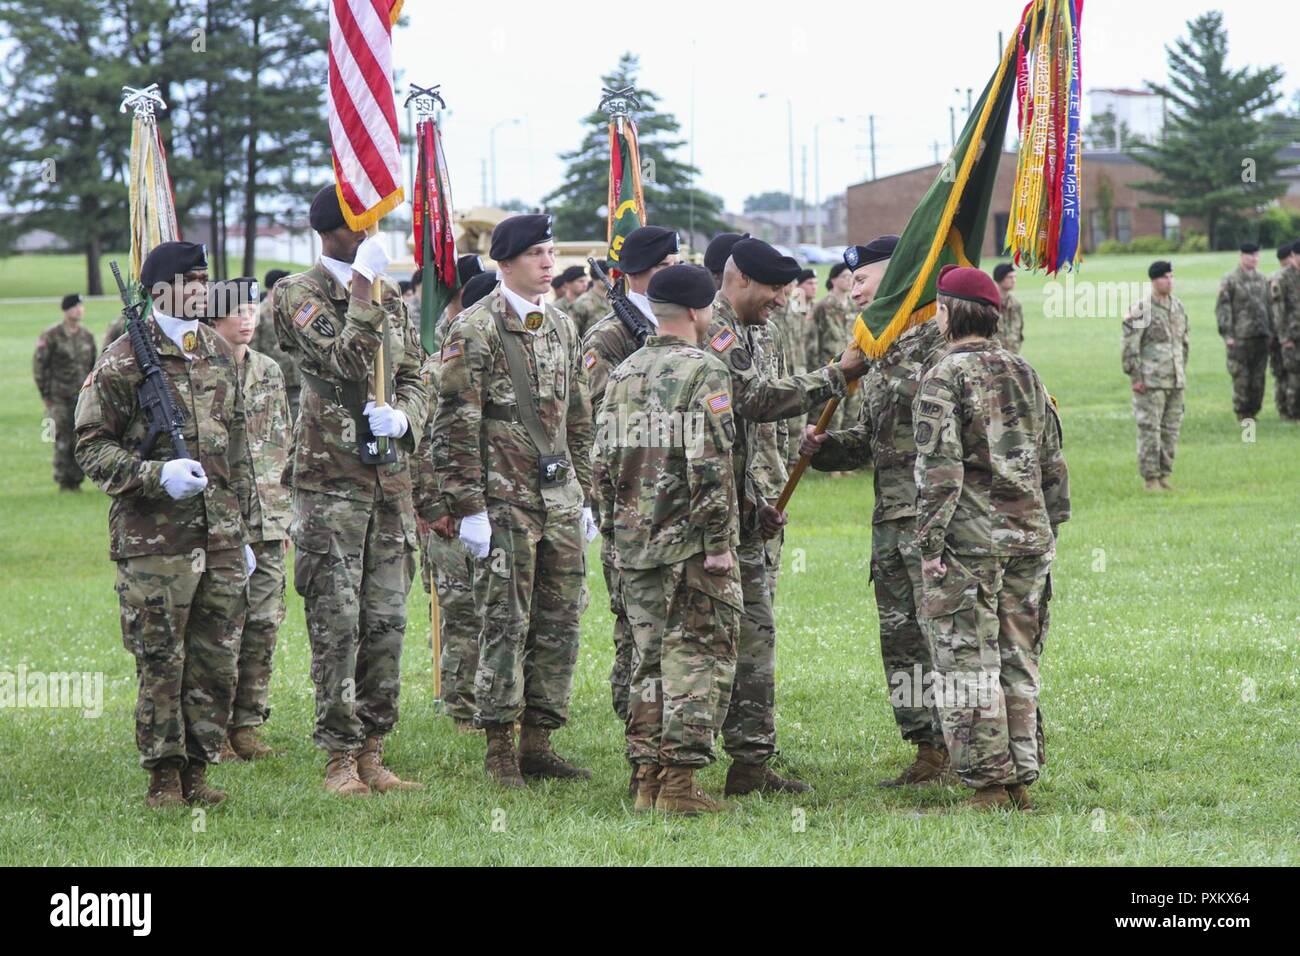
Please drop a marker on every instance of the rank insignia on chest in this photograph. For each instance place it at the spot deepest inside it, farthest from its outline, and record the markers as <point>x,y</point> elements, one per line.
<point>188,341</point>
<point>304,314</point>
<point>719,403</point>
<point>723,341</point>
<point>589,359</point>
<point>533,321</point>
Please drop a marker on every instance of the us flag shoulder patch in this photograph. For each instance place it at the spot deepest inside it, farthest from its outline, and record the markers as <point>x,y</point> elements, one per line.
<point>451,350</point>
<point>719,403</point>
<point>589,359</point>
<point>723,341</point>
<point>304,314</point>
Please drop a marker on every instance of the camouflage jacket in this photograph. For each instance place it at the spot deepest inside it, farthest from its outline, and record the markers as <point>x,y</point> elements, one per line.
<point>266,341</point>
<point>604,347</point>
<point>1011,324</point>
<point>1156,343</point>
<point>335,338</point>
<point>63,359</point>
<point>266,413</point>
<point>588,308</point>
<point>490,455</point>
<point>1243,309</point>
<point>991,478</point>
<point>834,321</point>
<point>758,399</point>
<point>430,459</point>
<point>883,432</point>
<point>143,518</point>
<point>663,443</point>
<point>769,347</point>
<point>1284,289</point>
<point>116,329</point>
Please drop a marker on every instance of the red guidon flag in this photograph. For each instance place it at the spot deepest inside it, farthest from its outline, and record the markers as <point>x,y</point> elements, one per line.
<point>362,110</point>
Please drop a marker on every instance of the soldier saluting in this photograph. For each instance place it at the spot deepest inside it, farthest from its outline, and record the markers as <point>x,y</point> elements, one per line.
<point>353,526</point>
<point>177,525</point>
<point>515,420</point>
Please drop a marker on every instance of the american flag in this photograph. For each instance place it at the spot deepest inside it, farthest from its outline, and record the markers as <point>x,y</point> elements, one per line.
<point>362,110</point>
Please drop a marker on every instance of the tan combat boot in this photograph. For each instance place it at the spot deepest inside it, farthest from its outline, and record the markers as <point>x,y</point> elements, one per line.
<point>501,762</point>
<point>1019,794</point>
<point>931,766</point>
<point>228,755</point>
<point>195,786</point>
<point>373,773</point>
<point>245,742</point>
<point>537,759</point>
<point>646,777</point>
<point>990,798</point>
<point>1164,483</point>
<point>679,794</point>
<point>164,788</point>
<point>1153,484</point>
<point>341,775</point>
<point>466,726</point>
<point>745,778</point>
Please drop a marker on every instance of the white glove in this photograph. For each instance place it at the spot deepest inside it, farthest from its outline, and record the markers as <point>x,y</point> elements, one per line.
<point>386,421</point>
<point>183,478</point>
<point>589,527</point>
<point>371,260</point>
<point>476,532</point>
<point>250,559</point>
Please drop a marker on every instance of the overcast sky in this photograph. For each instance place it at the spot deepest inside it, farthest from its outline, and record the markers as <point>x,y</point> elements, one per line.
<point>902,62</point>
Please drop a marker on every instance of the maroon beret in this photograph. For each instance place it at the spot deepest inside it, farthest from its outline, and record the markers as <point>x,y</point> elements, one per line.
<point>973,285</point>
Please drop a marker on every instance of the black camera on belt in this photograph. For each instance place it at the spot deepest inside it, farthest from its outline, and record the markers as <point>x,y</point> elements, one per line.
<point>554,470</point>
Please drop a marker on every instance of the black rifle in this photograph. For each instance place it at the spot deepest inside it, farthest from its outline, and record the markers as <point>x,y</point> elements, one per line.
<point>155,396</point>
<point>631,317</point>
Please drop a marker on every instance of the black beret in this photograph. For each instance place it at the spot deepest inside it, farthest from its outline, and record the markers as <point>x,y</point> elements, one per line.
<point>404,286</point>
<point>877,250</point>
<point>718,250</point>
<point>557,281</point>
<point>1285,251</point>
<point>805,275</point>
<point>603,263</point>
<point>1295,245</point>
<point>1159,268</point>
<point>326,214</point>
<point>272,277</point>
<point>1002,270</point>
<point>519,233</point>
<point>573,274</point>
<point>683,284</point>
<point>645,248</point>
<point>467,267</point>
<point>477,287</point>
<point>171,259</point>
<point>70,300</point>
<point>756,259</point>
<point>1249,247</point>
<point>227,296</point>
<point>971,284</point>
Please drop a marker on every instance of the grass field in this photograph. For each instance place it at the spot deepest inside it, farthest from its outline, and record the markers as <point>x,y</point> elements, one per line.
<point>1170,675</point>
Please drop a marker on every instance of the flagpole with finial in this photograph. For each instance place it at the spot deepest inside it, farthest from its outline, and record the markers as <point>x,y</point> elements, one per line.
<point>626,205</point>
<point>152,203</point>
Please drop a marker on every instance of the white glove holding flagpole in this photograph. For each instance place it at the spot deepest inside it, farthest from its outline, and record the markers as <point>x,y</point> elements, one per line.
<point>476,532</point>
<point>371,260</point>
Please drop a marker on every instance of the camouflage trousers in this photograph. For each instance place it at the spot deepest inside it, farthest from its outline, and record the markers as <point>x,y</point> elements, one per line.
<point>620,674</point>
<point>67,473</point>
<point>987,623</point>
<point>1286,379</point>
<point>447,566</point>
<point>353,565</point>
<point>749,729</point>
<point>535,584</point>
<point>1159,414</point>
<point>181,617</point>
<point>686,624</point>
<point>904,647</point>
<point>1247,364</point>
<point>257,642</point>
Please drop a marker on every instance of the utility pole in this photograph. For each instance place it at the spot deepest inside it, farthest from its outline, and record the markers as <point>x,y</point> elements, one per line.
<point>789,110</point>
<point>952,127</point>
<point>936,152</point>
<point>803,168</point>
<point>871,133</point>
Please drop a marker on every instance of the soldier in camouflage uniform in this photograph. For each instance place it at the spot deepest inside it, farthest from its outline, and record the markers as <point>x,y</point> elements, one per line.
<point>115,330</point>
<point>1155,360</point>
<point>177,526</point>
<point>834,317</point>
<point>235,312</point>
<point>669,507</point>
<point>266,342</point>
<point>520,506</point>
<point>593,305</point>
<point>353,527</point>
<point>446,565</point>
<point>1011,324</point>
<point>645,251</point>
<point>1244,314</point>
<point>883,435</point>
<point>1286,329</point>
<point>992,488</point>
<point>788,331</point>
<point>65,354</point>
<point>753,287</point>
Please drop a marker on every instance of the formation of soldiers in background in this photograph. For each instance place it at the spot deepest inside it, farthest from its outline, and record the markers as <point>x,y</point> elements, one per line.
<point>505,452</point>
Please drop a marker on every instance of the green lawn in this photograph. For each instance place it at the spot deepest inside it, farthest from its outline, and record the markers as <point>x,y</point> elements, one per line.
<point>1170,675</point>
<point>56,275</point>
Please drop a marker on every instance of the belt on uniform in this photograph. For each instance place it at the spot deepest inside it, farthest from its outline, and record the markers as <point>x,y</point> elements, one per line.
<point>501,413</point>
<point>350,395</point>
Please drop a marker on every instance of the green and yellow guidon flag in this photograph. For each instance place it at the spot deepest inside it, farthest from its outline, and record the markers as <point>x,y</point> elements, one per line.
<point>949,224</point>
<point>626,200</point>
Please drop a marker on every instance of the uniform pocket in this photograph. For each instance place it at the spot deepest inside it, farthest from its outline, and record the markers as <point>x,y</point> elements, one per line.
<point>313,564</point>
<point>955,591</point>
